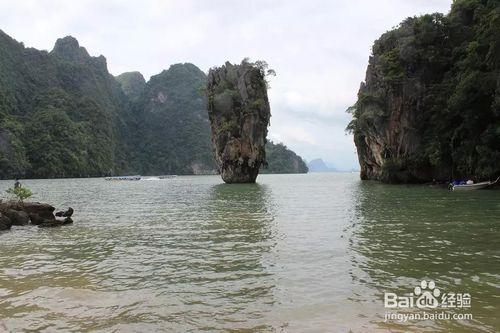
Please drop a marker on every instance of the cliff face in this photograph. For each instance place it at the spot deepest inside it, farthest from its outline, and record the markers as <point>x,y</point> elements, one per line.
<point>427,110</point>
<point>387,128</point>
<point>239,114</point>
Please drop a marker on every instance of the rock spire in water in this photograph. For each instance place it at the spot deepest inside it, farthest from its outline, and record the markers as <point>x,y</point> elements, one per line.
<point>239,113</point>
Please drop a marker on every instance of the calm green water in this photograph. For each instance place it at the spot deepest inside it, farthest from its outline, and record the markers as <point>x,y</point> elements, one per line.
<point>293,253</point>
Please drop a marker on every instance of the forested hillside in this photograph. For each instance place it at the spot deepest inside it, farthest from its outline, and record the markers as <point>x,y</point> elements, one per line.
<point>62,114</point>
<point>280,159</point>
<point>430,104</point>
<point>173,133</point>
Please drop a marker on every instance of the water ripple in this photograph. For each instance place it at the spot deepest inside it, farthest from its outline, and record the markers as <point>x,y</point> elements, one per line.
<point>294,253</point>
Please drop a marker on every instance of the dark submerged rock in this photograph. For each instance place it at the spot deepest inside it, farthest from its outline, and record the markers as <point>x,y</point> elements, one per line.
<point>18,217</point>
<point>5,222</point>
<point>55,223</point>
<point>41,214</point>
<point>37,219</point>
<point>67,213</point>
<point>239,112</point>
<point>68,220</point>
<point>36,209</point>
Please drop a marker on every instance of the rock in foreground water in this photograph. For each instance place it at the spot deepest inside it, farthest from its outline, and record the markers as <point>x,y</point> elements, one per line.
<point>34,213</point>
<point>17,217</point>
<point>239,113</point>
<point>5,222</point>
<point>55,223</point>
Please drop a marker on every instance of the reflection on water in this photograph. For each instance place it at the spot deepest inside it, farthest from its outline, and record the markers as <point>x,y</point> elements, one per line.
<point>293,253</point>
<point>242,210</point>
<point>190,256</point>
<point>408,233</point>
<point>238,230</point>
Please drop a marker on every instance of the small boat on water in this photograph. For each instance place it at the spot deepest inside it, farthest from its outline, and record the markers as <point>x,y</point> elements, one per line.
<point>471,186</point>
<point>167,176</point>
<point>123,178</point>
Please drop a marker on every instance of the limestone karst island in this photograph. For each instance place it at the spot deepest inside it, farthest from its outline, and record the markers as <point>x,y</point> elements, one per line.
<point>239,113</point>
<point>250,166</point>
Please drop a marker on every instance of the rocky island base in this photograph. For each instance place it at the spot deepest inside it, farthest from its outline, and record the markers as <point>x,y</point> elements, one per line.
<point>239,112</point>
<point>32,213</point>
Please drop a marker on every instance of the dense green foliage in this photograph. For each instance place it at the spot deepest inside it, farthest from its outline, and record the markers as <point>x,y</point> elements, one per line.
<point>63,115</point>
<point>282,160</point>
<point>132,83</point>
<point>173,128</point>
<point>20,193</point>
<point>58,112</point>
<point>446,70</point>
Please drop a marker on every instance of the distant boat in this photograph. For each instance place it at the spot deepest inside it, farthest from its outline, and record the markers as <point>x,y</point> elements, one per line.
<point>123,178</point>
<point>476,186</point>
<point>167,176</point>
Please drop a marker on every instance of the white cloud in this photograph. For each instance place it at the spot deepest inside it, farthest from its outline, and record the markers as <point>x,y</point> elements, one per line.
<point>295,134</point>
<point>319,48</point>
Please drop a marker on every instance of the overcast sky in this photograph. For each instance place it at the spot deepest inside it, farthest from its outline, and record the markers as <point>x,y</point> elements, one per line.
<point>318,48</point>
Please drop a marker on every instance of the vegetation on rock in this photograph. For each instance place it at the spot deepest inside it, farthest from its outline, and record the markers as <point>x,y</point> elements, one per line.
<point>430,105</point>
<point>172,122</point>
<point>280,159</point>
<point>60,112</point>
<point>239,114</point>
<point>20,193</point>
<point>132,83</point>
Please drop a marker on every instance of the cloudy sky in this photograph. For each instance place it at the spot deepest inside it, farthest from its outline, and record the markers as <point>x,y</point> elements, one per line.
<point>318,48</point>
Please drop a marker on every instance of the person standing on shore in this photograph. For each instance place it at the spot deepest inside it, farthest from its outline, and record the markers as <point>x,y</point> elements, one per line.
<point>17,184</point>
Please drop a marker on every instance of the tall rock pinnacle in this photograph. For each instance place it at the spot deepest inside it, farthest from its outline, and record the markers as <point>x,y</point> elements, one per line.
<point>239,113</point>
